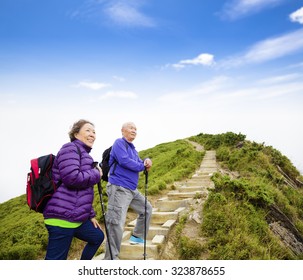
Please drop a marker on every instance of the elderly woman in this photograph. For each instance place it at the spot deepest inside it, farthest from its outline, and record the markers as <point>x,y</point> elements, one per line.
<point>69,213</point>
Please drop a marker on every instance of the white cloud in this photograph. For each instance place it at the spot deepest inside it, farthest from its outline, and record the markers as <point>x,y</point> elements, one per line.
<point>119,79</point>
<point>269,49</point>
<point>177,66</point>
<point>235,9</point>
<point>281,79</point>
<point>119,94</point>
<point>276,47</point>
<point>262,92</point>
<point>119,12</point>
<point>296,65</point>
<point>297,16</point>
<point>230,90</point>
<point>214,86</point>
<point>91,85</point>
<point>202,59</point>
<point>128,13</point>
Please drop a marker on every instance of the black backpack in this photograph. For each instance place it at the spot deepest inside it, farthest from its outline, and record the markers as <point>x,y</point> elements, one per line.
<point>105,163</point>
<point>40,186</point>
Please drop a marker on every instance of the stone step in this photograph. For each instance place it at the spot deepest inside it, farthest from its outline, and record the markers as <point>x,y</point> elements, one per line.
<point>126,235</point>
<point>182,195</point>
<point>200,177</point>
<point>153,230</point>
<point>169,223</point>
<point>191,188</point>
<point>209,160</point>
<point>159,218</point>
<point>135,252</point>
<point>162,217</point>
<point>207,170</point>
<point>164,204</point>
<point>158,239</point>
<point>205,184</point>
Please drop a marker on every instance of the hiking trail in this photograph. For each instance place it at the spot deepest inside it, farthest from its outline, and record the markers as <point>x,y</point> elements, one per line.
<point>168,209</point>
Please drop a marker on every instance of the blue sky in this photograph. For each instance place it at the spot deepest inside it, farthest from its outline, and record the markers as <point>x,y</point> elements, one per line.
<point>175,68</point>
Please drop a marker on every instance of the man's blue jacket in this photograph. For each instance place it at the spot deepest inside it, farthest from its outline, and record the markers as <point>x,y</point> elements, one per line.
<point>125,164</point>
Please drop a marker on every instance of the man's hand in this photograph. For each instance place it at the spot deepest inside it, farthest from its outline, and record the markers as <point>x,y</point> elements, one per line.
<point>148,164</point>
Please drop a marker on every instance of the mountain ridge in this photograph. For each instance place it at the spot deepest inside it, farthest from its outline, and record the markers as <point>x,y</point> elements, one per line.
<point>255,179</point>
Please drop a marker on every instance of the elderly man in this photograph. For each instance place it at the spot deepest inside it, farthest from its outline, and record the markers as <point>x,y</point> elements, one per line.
<point>122,191</point>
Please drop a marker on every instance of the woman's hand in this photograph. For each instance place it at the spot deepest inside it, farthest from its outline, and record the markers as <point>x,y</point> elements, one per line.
<point>100,170</point>
<point>95,223</point>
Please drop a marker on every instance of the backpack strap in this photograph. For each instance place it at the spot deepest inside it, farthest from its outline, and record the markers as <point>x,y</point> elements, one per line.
<point>78,149</point>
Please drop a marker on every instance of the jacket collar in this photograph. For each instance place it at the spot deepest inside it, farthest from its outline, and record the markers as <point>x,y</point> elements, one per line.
<point>129,143</point>
<point>80,143</point>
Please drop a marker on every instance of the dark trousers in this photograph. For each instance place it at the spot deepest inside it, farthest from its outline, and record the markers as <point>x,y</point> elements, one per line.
<point>60,239</point>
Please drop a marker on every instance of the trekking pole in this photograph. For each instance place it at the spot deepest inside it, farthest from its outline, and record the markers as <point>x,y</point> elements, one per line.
<point>145,230</point>
<point>104,218</point>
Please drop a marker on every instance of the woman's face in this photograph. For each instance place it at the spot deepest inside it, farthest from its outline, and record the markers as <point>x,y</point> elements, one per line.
<point>87,134</point>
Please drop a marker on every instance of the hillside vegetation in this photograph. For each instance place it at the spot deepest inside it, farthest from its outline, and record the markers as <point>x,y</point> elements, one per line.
<point>24,236</point>
<point>255,210</point>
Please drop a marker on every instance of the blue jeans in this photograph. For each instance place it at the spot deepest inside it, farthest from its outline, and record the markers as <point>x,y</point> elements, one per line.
<point>60,239</point>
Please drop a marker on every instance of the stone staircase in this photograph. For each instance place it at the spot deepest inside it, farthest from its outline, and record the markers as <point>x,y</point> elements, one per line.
<point>167,211</point>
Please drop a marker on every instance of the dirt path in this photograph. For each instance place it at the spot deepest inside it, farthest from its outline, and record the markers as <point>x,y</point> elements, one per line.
<point>198,147</point>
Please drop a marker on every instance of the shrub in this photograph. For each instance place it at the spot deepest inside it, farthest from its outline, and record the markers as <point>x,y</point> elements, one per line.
<point>190,249</point>
<point>21,252</point>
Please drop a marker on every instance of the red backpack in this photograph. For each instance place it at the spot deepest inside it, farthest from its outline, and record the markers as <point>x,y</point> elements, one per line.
<point>40,185</point>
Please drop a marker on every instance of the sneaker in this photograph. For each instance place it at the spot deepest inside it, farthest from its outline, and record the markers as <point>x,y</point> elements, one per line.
<point>135,240</point>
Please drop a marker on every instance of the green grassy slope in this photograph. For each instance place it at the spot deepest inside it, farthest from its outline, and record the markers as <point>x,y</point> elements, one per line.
<point>23,234</point>
<point>256,208</point>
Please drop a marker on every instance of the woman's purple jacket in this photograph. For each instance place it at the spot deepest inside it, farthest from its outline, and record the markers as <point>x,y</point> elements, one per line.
<point>74,197</point>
